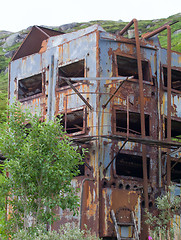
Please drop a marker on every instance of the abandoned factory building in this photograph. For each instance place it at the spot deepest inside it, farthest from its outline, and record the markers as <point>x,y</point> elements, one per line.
<point>120,98</point>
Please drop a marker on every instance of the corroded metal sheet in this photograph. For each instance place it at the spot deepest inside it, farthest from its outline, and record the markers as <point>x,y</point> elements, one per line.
<point>122,202</point>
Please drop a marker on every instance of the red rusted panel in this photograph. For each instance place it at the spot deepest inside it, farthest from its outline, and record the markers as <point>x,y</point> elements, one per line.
<point>122,202</point>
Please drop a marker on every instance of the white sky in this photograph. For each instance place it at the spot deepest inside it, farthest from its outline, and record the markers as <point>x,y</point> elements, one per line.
<point>19,14</point>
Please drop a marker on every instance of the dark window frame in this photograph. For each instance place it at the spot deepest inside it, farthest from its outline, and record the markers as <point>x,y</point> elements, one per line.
<point>36,95</point>
<point>175,164</point>
<point>173,119</point>
<point>150,81</point>
<point>129,163</point>
<point>163,81</point>
<point>124,133</point>
<point>64,87</point>
<point>84,127</point>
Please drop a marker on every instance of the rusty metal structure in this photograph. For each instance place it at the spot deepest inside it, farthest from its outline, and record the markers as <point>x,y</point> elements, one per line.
<point>120,98</point>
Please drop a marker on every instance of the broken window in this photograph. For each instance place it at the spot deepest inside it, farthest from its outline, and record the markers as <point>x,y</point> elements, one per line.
<point>175,79</point>
<point>30,86</point>
<point>175,129</point>
<point>128,67</point>
<point>130,165</point>
<point>72,70</point>
<point>176,171</point>
<point>134,122</point>
<point>74,122</point>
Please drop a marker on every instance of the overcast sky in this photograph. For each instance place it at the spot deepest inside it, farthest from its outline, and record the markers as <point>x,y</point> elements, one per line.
<point>19,14</point>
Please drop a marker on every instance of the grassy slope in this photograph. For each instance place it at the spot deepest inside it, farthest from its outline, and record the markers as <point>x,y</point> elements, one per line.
<point>109,26</point>
<point>113,26</point>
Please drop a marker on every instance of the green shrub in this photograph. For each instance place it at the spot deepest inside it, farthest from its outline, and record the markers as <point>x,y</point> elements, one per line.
<point>67,232</point>
<point>163,224</point>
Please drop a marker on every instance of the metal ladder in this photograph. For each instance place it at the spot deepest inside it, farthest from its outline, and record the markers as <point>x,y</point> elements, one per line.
<point>117,229</point>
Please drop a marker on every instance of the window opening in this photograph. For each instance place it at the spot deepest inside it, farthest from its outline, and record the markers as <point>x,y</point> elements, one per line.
<point>134,122</point>
<point>128,67</point>
<point>176,172</point>
<point>130,165</point>
<point>30,86</point>
<point>175,79</point>
<point>74,122</point>
<point>81,169</point>
<point>73,70</point>
<point>175,129</point>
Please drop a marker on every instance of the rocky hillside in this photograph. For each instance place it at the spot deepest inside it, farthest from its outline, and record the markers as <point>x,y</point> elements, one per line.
<point>9,42</point>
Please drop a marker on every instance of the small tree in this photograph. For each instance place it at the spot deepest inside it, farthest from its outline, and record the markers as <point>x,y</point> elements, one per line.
<point>41,163</point>
<point>168,206</point>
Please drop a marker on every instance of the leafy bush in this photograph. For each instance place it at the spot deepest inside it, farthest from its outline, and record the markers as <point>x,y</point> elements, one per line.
<point>66,233</point>
<point>163,224</point>
<point>41,163</point>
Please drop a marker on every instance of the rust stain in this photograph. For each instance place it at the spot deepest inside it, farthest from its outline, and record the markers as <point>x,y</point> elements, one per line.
<point>43,46</point>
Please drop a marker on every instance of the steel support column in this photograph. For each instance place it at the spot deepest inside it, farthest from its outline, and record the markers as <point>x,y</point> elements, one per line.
<point>168,89</point>
<point>140,75</point>
<point>168,102</point>
<point>144,158</point>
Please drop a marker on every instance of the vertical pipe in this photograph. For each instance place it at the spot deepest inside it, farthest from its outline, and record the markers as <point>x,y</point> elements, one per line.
<point>65,119</point>
<point>159,120</point>
<point>140,75</point>
<point>168,102</point>
<point>127,116</point>
<point>98,143</point>
<point>51,88</point>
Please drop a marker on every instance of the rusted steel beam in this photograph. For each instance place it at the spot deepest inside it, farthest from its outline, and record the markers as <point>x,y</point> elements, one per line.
<point>166,26</point>
<point>88,166</point>
<point>104,105</point>
<point>67,80</point>
<point>145,141</point>
<point>126,27</point>
<point>127,115</point>
<point>51,86</point>
<point>80,79</point>
<point>65,113</point>
<point>168,102</point>
<point>128,78</point>
<point>105,169</point>
<point>140,76</point>
<point>175,163</point>
<point>158,30</point>
<point>176,151</point>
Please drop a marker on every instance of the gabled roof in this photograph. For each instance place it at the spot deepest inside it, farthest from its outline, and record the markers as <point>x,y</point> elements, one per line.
<point>33,41</point>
